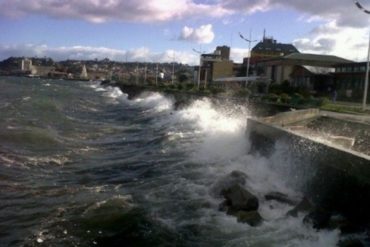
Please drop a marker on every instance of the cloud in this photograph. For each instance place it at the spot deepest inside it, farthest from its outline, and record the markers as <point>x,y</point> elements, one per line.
<point>343,11</point>
<point>107,10</point>
<point>237,54</point>
<point>347,42</point>
<point>202,35</point>
<point>89,53</point>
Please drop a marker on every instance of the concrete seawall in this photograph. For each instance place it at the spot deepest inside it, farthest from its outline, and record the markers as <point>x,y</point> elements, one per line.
<point>340,177</point>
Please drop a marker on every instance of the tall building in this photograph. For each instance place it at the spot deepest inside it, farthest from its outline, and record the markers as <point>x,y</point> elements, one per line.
<point>268,48</point>
<point>26,64</point>
<point>83,72</point>
<point>216,65</point>
<point>224,51</point>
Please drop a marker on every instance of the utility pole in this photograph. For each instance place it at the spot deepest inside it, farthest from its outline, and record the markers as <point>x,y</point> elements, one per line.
<point>249,53</point>
<point>137,74</point>
<point>145,74</point>
<point>156,75</point>
<point>366,86</point>
<point>173,67</point>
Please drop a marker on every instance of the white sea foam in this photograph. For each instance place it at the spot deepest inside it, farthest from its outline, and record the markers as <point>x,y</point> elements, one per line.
<point>222,148</point>
<point>115,94</point>
<point>219,145</point>
<point>155,100</point>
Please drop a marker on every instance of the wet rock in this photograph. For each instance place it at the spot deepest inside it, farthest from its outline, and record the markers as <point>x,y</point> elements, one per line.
<point>350,243</point>
<point>240,198</point>
<point>233,178</point>
<point>224,205</point>
<point>108,83</point>
<point>304,206</point>
<point>279,197</point>
<point>318,218</point>
<point>252,218</point>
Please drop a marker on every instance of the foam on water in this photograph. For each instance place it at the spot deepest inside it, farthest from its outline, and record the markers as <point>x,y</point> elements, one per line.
<point>156,101</point>
<point>114,93</point>
<point>222,147</point>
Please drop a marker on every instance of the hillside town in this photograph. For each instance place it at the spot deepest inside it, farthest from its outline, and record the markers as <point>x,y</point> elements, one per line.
<point>270,65</point>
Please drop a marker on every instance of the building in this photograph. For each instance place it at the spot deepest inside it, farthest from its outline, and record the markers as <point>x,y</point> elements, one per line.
<point>269,48</point>
<point>223,51</point>
<point>83,74</point>
<point>266,49</point>
<point>349,80</point>
<point>215,65</point>
<point>311,71</point>
<point>26,64</point>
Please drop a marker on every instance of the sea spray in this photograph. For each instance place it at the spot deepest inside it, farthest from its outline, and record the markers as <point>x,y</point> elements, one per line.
<point>222,147</point>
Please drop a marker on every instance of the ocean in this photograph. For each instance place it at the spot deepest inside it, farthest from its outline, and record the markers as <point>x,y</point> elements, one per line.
<point>85,165</point>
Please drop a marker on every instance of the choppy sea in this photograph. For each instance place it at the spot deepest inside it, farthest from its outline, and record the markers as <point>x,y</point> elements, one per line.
<point>84,165</point>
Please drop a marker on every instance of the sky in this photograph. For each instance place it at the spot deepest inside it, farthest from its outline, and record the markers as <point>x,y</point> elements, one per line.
<point>170,30</point>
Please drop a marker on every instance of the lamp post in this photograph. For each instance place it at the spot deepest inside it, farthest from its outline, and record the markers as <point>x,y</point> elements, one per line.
<point>200,65</point>
<point>145,76</point>
<point>156,75</point>
<point>367,62</point>
<point>249,51</point>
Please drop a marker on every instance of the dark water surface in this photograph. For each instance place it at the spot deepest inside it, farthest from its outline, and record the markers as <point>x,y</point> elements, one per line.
<point>82,165</point>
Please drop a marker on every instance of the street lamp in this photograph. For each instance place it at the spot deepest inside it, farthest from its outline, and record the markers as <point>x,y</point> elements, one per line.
<point>249,51</point>
<point>200,65</point>
<point>156,75</point>
<point>367,62</point>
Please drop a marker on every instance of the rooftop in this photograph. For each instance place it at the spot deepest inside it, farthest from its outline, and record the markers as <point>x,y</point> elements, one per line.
<point>308,59</point>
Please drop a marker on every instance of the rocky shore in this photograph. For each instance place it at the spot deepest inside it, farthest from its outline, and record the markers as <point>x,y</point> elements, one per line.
<point>239,202</point>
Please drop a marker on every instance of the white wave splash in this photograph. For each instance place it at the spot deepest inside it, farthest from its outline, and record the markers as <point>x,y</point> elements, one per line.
<point>222,146</point>
<point>155,100</point>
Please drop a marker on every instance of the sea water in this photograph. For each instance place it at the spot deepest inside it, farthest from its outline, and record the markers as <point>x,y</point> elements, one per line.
<point>84,165</point>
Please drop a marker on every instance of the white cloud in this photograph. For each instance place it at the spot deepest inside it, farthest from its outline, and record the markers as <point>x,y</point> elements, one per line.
<point>202,35</point>
<point>87,53</point>
<point>237,54</point>
<point>106,10</point>
<point>347,42</point>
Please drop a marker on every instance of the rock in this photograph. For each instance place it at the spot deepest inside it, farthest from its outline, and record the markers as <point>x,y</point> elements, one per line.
<point>240,198</point>
<point>350,243</point>
<point>252,218</point>
<point>304,206</point>
<point>318,218</point>
<point>224,206</point>
<point>279,197</point>
<point>233,178</point>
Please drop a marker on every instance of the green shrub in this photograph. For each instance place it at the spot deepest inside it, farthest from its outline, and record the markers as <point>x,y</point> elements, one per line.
<point>271,97</point>
<point>242,93</point>
<point>285,98</point>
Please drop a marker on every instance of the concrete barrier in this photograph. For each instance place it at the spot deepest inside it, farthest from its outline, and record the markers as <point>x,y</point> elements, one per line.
<point>340,178</point>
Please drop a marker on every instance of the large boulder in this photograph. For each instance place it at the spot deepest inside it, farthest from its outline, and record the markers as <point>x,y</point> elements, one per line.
<point>304,206</point>
<point>252,218</point>
<point>240,199</point>
<point>350,243</point>
<point>318,218</point>
<point>233,178</point>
